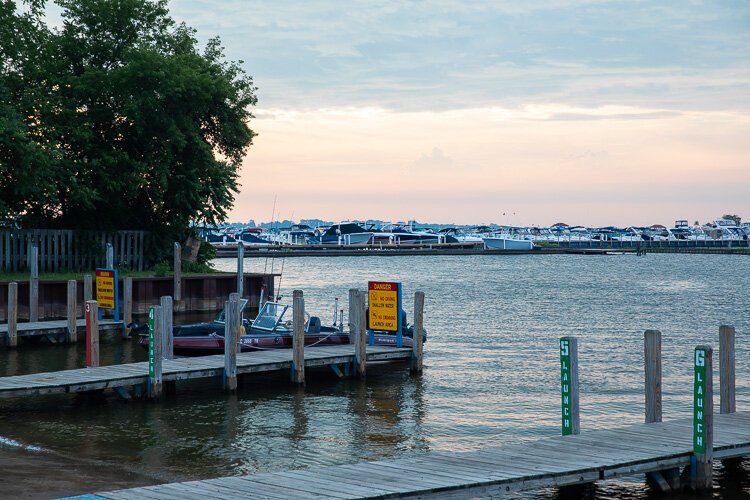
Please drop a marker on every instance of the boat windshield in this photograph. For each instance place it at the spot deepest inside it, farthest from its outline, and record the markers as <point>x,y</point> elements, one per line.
<point>222,314</point>
<point>270,316</point>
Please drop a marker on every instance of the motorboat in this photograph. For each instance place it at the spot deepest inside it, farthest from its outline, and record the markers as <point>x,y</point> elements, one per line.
<point>507,242</point>
<point>271,329</point>
<point>343,233</point>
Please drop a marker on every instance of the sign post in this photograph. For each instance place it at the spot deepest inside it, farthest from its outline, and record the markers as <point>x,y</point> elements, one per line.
<point>384,300</point>
<point>107,291</point>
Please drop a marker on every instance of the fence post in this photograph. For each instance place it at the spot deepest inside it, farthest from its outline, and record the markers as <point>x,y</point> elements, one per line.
<point>726,369</point>
<point>177,292</point>
<point>356,338</point>
<point>652,355</point>
<point>34,284</point>
<point>92,334</point>
<point>416,341</point>
<point>154,352</point>
<point>703,420</point>
<point>127,298</point>
<point>110,256</point>
<point>240,269</point>
<point>231,341</point>
<point>571,423</point>
<point>72,335</point>
<point>298,341</point>
<point>12,314</point>
<point>166,329</point>
<point>88,288</point>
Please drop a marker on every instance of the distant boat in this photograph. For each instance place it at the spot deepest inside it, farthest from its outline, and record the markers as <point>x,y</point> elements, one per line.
<point>507,243</point>
<point>344,233</point>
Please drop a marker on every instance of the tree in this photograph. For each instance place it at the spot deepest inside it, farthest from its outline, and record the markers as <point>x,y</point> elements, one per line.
<point>735,218</point>
<point>135,128</point>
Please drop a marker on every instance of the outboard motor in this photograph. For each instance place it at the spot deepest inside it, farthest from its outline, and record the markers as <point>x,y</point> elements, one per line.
<point>313,326</point>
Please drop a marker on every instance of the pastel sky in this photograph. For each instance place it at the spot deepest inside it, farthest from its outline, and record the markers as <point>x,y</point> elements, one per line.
<point>582,111</point>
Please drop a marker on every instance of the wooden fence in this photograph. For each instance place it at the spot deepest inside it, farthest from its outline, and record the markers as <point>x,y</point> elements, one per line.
<point>70,250</point>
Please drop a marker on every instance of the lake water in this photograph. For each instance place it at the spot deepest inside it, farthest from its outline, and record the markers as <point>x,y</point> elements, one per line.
<point>491,371</point>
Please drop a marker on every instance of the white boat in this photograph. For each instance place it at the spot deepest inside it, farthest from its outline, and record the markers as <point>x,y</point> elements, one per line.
<point>507,243</point>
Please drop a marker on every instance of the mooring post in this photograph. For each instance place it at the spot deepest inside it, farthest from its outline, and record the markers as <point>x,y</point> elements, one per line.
<point>88,288</point>
<point>34,284</point>
<point>726,369</point>
<point>571,423</point>
<point>231,341</point>
<point>127,306</point>
<point>652,355</point>
<point>167,349</point>
<point>240,269</point>
<point>416,356</point>
<point>12,314</point>
<point>177,292</point>
<point>92,334</point>
<point>362,332</point>
<point>154,352</point>
<point>72,334</point>
<point>703,420</point>
<point>357,337</point>
<point>298,341</point>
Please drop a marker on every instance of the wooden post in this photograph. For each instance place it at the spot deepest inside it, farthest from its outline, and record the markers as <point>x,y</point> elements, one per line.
<point>240,268</point>
<point>34,284</point>
<point>92,334</point>
<point>110,256</point>
<point>177,293</point>
<point>154,352</point>
<point>416,356</point>
<point>703,420</point>
<point>356,337</point>
<point>298,341</point>
<point>72,336</point>
<point>167,349</point>
<point>362,333</point>
<point>127,306</point>
<point>652,355</point>
<point>231,341</point>
<point>726,369</point>
<point>571,423</point>
<point>88,288</point>
<point>12,314</point>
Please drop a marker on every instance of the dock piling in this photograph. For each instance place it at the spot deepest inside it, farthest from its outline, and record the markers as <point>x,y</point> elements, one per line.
<point>72,332</point>
<point>177,292</point>
<point>34,284</point>
<point>298,340</point>
<point>240,268</point>
<point>357,336</point>
<point>726,369</point>
<point>652,355</point>
<point>127,299</point>
<point>12,340</point>
<point>416,359</point>
<point>703,420</point>
<point>155,352</point>
<point>231,342</point>
<point>92,334</point>
<point>110,256</point>
<point>166,329</point>
<point>571,422</point>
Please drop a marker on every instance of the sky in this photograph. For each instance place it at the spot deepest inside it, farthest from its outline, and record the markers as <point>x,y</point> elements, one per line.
<point>523,112</point>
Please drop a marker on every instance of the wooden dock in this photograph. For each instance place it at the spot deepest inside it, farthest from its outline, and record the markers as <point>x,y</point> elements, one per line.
<point>555,461</point>
<point>56,328</point>
<point>104,377</point>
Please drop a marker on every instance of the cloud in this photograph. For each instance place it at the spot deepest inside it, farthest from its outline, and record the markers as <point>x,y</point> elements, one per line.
<point>435,159</point>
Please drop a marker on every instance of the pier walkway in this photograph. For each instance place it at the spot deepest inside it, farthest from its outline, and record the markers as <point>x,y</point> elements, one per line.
<point>90,379</point>
<point>56,328</point>
<point>555,461</point>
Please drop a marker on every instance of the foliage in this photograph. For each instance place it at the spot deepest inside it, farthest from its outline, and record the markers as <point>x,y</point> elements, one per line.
<point>116,120</point>
<point>735,218</point>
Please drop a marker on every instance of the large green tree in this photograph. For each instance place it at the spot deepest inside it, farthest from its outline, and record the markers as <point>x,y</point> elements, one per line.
<point>118,120</point>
